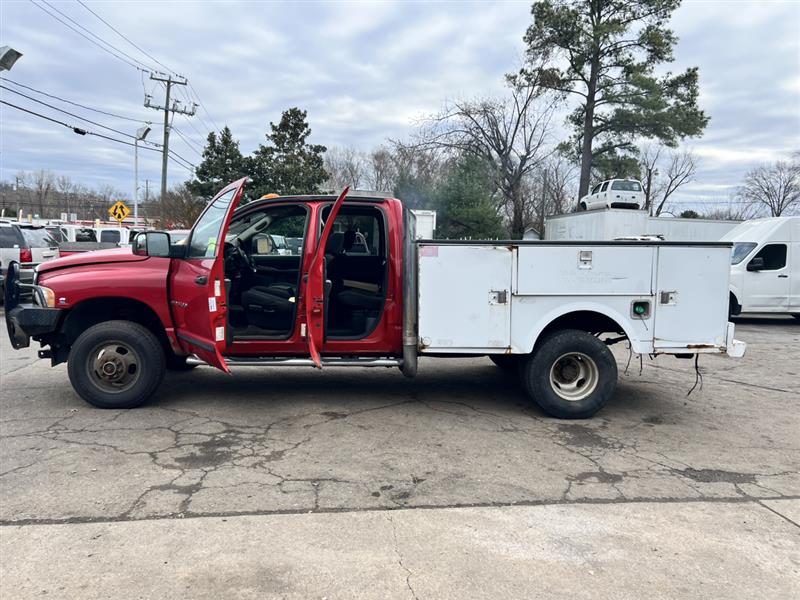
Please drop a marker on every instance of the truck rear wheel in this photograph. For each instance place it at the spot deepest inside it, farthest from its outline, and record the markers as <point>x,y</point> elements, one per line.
<point>116,364</point>
<point>570,375</point>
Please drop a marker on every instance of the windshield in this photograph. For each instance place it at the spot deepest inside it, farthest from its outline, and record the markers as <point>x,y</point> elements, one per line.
<point>740,251</point>
<point>37,238</point>
<point>627,186</point>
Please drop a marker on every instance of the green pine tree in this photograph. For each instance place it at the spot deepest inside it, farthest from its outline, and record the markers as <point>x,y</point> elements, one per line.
<point>465,208</point>
<point>222,163</point>
<point>288,164</point>
<point>604,53</point>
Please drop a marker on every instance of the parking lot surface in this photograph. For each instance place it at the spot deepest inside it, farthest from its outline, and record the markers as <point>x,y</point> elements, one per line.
<point>294,483</point>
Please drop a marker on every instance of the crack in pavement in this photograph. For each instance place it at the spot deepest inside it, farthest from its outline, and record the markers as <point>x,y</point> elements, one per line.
<point>400,558</point>
<point>367,509</point>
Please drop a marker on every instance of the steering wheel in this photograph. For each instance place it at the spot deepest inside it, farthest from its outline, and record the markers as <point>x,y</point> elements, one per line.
<point>236,259</point>
<point>243,256</point>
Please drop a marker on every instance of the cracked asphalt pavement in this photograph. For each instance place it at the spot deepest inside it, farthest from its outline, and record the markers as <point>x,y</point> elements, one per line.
<point>292,483</point>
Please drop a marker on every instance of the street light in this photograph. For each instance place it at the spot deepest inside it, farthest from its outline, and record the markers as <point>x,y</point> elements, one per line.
<point>8,56</point>
<point>141,133</point>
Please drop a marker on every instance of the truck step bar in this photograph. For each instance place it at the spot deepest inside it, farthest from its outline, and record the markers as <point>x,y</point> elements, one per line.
<point>271,361</point>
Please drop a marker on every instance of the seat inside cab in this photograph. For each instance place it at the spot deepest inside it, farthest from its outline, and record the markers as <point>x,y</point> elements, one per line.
<point>263,262</point>
<point>356,267</point>
<point>263,266</point>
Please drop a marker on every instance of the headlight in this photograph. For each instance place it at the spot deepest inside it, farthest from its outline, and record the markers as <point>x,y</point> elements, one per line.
<point>46,295</point>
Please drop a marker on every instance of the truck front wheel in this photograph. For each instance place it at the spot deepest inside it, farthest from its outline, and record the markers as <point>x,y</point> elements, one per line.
<point>571,374</point>
<point>116,364</point>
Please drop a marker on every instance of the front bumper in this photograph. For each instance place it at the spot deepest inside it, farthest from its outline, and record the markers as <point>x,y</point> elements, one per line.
<point>27,320</point>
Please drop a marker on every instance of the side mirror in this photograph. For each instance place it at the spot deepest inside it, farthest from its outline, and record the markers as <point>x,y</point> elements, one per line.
<point>152,243</point>
<point>757,264</point>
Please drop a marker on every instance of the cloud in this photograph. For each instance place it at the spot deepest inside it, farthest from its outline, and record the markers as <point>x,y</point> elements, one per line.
<point>364,72</point>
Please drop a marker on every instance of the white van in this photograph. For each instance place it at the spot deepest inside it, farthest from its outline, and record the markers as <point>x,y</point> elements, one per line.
<point>765,266</point>
<point>614,193</point>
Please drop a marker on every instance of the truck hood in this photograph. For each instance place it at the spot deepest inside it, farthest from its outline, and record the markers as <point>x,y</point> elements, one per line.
<point>115,255</point>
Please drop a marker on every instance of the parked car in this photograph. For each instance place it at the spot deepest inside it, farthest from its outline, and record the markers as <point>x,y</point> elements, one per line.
<point>765,266</point>
<point>28,245</point>
<point>614,193</point>
<point>119,318</point>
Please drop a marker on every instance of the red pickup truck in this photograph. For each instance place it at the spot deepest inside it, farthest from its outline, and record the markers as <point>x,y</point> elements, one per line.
<point>349,285</point>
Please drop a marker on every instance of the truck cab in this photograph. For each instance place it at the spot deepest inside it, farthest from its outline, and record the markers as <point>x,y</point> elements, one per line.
<point>355,288</point>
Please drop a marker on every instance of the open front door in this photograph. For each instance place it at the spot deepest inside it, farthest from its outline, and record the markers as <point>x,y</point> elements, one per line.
<point>315,286</point>
<point>198,298</point>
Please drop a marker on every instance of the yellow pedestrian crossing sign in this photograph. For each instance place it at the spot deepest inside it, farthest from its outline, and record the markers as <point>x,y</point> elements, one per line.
<point>119,211</point>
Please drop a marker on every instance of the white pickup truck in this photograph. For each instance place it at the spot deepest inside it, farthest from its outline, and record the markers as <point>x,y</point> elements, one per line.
<point>547,310</point>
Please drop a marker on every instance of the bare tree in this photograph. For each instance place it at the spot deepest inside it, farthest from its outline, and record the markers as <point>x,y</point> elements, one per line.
<point>382,171</point>
<point>42,186</point>
<point>65,187</point>
<point>345,166</point>
<point>776,186</point>
<point>548,187</point>
<point>649,156</point>
<point>664,174</point>
<point>511,134</point>
<point>179,208</point>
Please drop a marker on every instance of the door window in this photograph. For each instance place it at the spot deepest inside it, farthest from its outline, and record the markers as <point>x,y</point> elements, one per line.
<point>205,236</point>
<point>605,187</point>
<point>595,189</point>
<point>774,256</point>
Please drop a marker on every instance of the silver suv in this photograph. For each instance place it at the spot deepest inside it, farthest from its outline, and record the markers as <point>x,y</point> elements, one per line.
<point>26,244</point>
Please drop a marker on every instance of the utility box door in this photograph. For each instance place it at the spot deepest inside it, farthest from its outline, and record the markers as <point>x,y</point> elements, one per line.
<point>464,297</point>
<point>691,300</point>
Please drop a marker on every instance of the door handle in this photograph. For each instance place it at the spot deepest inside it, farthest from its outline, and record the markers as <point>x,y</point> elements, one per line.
<point>783,276</point>
<point>201,280</point>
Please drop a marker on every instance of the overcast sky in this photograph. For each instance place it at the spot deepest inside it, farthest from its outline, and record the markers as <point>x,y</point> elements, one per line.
<point>364,72</point>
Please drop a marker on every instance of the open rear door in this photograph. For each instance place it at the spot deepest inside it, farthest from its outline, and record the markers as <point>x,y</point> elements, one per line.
<point>198,297</point>
<point>315,286</point>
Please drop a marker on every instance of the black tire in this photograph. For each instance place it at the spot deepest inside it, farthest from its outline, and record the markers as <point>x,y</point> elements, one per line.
<point>580,361</point>
<point>581,206</point>
<point>507,362</point>
<point>175,362</point>
<point>116,364</point>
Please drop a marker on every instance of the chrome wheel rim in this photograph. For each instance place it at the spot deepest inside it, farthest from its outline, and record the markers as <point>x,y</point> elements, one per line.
<point>574,376</point>
<point>113,366</point>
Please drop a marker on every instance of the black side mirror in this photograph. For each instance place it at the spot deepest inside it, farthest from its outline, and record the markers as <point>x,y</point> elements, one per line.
<point>152,243</point>
<point>757,264</point>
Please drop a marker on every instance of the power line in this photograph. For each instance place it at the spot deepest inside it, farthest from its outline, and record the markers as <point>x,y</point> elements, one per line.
<point>80,131</point>
<point>103,48</point>
<point>120,34</point>
<point>97,110</point>
<point>203,106</point>
<point>66,112</point>
<point>154,59</point>
<point>192,145</point>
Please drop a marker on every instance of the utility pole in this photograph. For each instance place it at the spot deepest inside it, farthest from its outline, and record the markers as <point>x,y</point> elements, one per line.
<point>168,81</point>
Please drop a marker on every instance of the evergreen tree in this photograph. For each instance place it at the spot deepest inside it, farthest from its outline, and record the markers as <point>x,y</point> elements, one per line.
<point>604,53</point>
<point>464,201</point>
<point>288,164</point>
<point>222,163</point>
